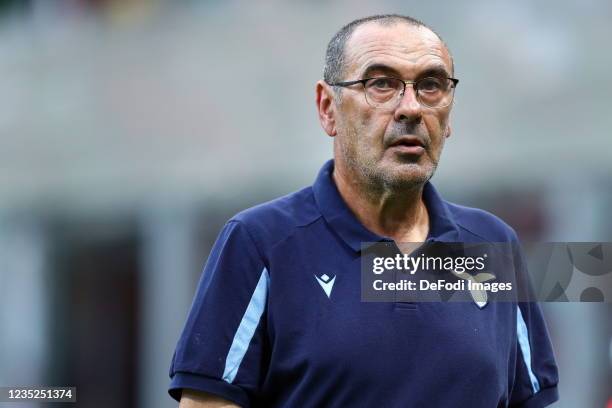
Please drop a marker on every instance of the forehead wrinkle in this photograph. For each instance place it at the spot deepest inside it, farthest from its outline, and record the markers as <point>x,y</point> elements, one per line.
<point>397,56</point>
<point>403,64</point>
<point>397,49</point>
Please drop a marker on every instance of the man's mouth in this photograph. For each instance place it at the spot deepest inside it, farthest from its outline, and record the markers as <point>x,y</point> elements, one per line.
<point>408,145</point>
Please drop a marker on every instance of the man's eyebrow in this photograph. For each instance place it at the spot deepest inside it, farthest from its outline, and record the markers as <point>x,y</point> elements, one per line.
<point>435,70</point>
<point>385,69</point>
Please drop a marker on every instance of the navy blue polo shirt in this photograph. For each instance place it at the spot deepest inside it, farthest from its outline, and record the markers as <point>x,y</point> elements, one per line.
<point>278,321</point>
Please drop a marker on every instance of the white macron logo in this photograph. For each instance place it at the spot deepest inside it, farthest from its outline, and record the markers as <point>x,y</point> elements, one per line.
<point>326,283</point>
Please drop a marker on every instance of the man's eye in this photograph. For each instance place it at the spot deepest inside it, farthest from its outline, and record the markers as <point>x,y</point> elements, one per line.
<point>430,85</point>
<point>382,84</point>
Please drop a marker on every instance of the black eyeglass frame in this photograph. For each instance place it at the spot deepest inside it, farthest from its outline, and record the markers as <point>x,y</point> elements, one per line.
<point>344,84</point>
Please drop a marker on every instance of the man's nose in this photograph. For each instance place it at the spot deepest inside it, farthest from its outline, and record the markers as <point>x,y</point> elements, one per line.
<point>408,108</point>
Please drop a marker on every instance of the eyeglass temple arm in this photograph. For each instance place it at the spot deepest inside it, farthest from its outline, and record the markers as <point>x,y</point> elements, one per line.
<point>347,83</point>
<point>455,81</point>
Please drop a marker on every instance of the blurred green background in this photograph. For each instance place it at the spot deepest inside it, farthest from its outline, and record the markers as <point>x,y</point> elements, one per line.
<point>131,130</point>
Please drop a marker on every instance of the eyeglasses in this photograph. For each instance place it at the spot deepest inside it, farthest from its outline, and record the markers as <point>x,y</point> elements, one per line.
<point>386,92</point>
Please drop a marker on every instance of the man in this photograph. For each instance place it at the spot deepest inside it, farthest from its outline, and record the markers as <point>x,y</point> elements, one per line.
<point>278,320</point>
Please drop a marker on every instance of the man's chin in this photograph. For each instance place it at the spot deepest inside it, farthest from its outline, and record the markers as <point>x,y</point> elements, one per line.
<point>408,175</point>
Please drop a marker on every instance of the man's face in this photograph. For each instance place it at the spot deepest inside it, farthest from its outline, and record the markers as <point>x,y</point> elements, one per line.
<point>374,143</point>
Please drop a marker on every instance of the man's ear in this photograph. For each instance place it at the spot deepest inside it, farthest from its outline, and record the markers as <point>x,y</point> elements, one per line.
<point>326,107</point>
<point>448,130</point>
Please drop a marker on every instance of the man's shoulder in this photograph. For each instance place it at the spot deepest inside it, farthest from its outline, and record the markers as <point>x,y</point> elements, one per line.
<point>272,221</point>
<point>481,224</point>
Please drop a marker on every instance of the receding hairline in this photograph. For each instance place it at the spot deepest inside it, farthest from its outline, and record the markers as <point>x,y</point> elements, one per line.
<point>335,56</point>
<point>390,22</point>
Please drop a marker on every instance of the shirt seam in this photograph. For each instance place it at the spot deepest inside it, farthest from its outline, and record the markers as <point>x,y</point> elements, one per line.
<point>473,233</point>
<point>252,239</point>
<point>543,393</point>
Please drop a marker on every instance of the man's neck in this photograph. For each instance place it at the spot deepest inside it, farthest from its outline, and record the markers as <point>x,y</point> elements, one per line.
<point>401,216</point>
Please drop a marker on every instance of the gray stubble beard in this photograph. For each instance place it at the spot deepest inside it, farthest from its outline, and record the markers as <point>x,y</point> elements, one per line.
<point>374,181</point>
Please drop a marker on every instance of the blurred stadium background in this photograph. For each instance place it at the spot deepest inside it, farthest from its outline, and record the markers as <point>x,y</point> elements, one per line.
<point>130,131</point>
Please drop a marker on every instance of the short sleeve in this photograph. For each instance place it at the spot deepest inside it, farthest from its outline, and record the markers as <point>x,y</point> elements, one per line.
<point>536,375</point>
<point>221,348</point>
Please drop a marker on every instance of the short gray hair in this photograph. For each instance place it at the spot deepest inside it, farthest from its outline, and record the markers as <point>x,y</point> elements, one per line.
<point>334,56</point>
